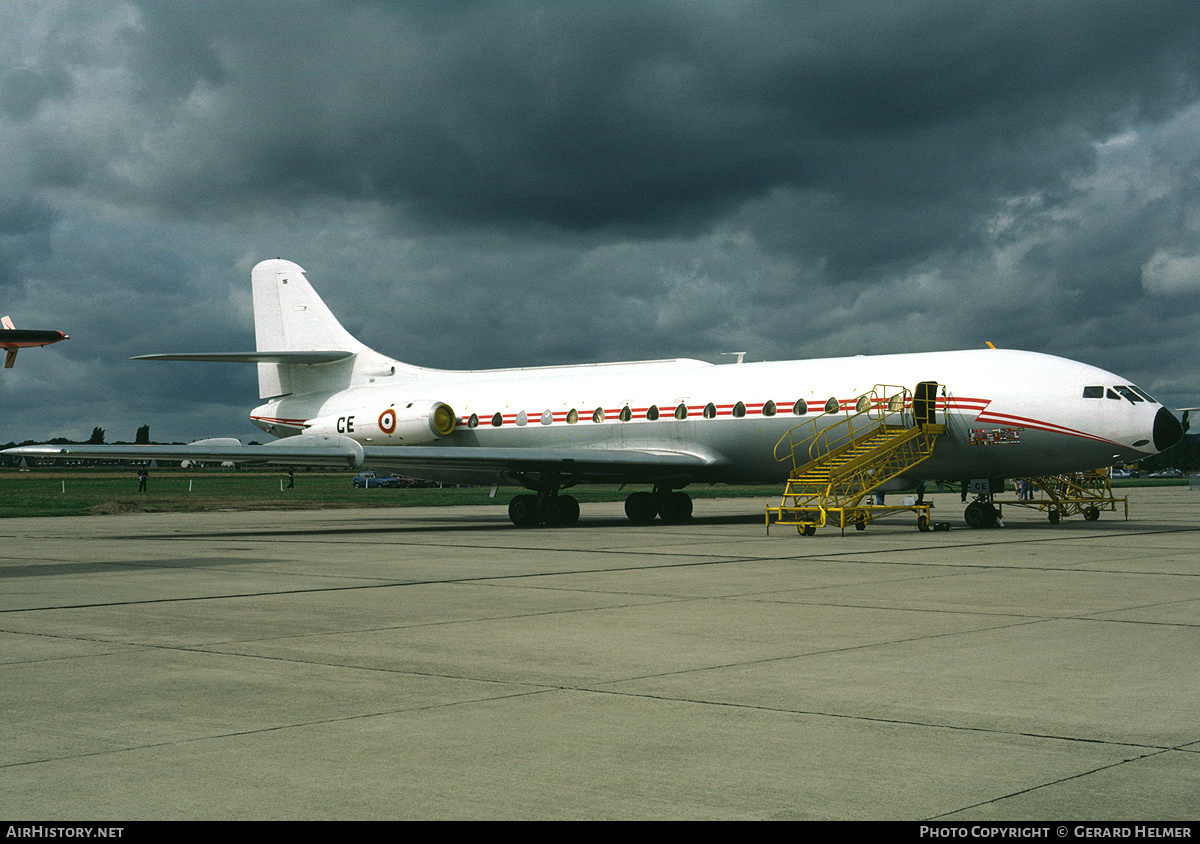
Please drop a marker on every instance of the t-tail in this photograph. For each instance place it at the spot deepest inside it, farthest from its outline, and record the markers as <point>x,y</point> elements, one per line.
<point>314,353</point>
<point>301,348</point>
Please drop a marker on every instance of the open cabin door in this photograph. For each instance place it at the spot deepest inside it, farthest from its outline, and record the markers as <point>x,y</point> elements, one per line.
<point>925,403</point>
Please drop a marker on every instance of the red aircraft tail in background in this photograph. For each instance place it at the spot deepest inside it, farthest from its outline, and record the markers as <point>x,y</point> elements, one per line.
<point>13,338</point>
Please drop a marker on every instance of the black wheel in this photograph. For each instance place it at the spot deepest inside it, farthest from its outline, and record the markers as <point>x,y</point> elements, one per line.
<point>974,515</point>
<point>808,530</point>
<point>562,511</point>
<point>1092,513</point>
<point>923,524</point>
<point>1054,517</point>
<point>860,520</point>
<point>674,507</point>
<point>523,511</point>
<point>641,508</point>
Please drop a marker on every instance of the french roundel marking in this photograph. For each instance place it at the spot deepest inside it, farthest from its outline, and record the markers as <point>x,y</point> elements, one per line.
<point>387,421</point>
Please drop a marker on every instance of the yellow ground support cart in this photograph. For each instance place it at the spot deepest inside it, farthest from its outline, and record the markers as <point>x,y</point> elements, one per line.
<point>1086,493</point>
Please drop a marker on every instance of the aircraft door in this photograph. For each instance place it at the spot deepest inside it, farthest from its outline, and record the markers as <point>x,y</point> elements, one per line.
<point>925,403</point>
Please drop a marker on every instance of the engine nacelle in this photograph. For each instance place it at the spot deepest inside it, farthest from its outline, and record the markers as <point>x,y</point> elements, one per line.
<point>413,423</point>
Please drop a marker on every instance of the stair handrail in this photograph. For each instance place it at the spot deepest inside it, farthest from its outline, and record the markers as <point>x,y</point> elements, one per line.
<point>884,404</point>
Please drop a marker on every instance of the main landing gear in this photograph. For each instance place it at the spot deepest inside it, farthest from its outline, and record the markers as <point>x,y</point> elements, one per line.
<point>672,506</point>
<point>555,510</point>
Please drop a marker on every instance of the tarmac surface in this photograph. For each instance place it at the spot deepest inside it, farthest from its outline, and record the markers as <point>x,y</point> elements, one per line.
<point>433,663</point>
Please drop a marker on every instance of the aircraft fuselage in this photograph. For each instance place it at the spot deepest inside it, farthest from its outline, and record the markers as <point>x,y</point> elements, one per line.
<point>1008,413</point>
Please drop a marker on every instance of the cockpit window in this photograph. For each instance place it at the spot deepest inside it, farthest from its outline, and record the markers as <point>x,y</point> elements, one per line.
<point>1143,394</point>
<point>1128,393</point>
<point>1112,394</point>
<point>1093,392</point>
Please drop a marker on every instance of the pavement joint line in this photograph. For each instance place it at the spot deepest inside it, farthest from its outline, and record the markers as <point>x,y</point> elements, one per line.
<point>268,729</point>
<point>1054,782</point>
<point>542,689</point>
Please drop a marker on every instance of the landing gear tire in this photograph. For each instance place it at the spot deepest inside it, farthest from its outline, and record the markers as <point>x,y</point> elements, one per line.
<point>1055,516</point>
<point>562,511</point>
<point>523,511</point>
<point>674,507</point>
<point>641,508</point>
<point>1091,513</point>
<point>980,514</point>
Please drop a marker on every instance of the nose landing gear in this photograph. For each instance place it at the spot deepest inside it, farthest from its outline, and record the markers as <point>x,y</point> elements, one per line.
<point>981,513</point>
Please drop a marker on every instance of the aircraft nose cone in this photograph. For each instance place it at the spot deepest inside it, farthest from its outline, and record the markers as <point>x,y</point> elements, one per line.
<point>1167,430</point>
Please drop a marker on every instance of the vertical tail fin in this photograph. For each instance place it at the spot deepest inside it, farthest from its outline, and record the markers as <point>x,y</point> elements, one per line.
<point>289,316</point>
<point>11,356</point>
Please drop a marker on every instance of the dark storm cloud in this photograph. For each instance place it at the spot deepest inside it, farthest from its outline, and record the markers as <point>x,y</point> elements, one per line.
<point>23,90</point>
<point>643,114</point>
<point>25,225</point>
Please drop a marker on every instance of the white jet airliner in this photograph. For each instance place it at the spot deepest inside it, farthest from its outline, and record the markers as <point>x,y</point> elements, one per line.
<point>666,423</point>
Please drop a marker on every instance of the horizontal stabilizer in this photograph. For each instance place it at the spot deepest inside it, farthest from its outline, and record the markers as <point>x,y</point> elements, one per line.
<point>308,357</point>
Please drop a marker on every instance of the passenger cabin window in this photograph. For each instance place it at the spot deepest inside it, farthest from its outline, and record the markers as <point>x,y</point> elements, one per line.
<point>522,418</point>
<point>547,417</point>
<point>769,409</point>
<point>473,422</point>
<point>710,411</point>
<point>626,414</point>
<point>497,420</point>
<point>739,409</point>
<point>681,411</point>
<point>800,408</point>
<point>598,416</point>
<point>572,416</point>
<point>831,406</point>
<point>652,413</point>
<point>1093,392</point>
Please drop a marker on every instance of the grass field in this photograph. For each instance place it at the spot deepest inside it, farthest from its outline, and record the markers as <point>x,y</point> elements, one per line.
<point>74,492</point>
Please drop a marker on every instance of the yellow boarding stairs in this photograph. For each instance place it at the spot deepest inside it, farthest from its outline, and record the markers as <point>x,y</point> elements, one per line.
<point>837,464</point>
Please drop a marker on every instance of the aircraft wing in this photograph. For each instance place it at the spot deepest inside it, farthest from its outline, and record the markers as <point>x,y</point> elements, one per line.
<point>593,464</point>
<point>306,451</point>
<point>617,465</point>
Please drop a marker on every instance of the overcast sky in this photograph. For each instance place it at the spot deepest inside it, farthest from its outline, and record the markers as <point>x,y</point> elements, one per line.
<point>477,184</point>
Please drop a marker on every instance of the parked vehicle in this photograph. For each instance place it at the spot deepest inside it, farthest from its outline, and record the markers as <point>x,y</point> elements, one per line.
<point>370,480</point>
<point>1168,473</point>
<point>1121,473</point>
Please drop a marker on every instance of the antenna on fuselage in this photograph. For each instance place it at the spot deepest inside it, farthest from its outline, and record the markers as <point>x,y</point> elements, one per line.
<point>741,356</point>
